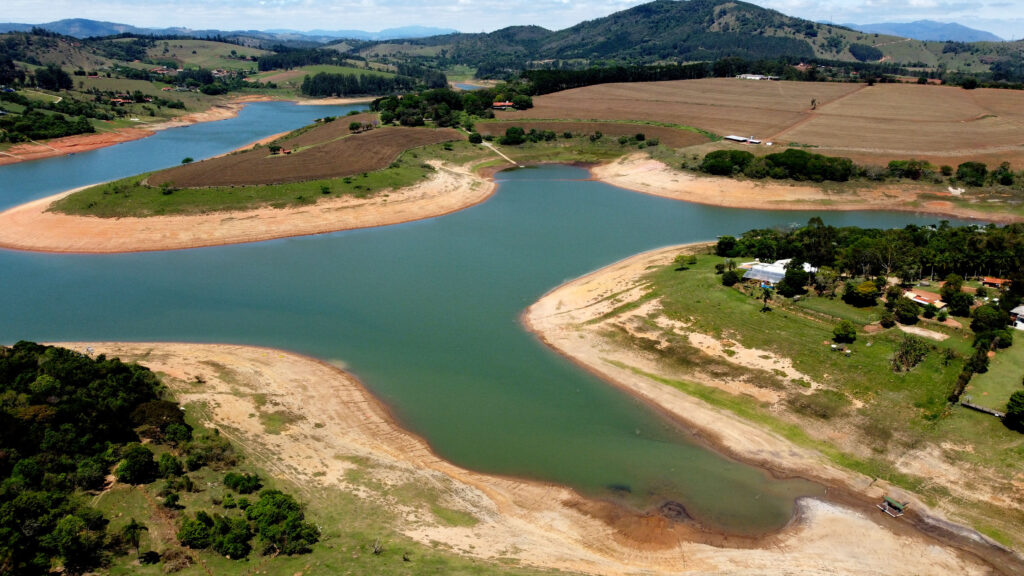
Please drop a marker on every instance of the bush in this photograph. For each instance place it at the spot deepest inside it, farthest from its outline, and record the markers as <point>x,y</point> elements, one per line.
<point>888,319</point>
<point>861,295</point>
<point>475,138</point>
<point>169,466</point>
<point>1014,419</point>
<point>730,278</point>
<point>514,136</point>
<point>909,353</point>
<point>242,483</point>
<point>844,332</point>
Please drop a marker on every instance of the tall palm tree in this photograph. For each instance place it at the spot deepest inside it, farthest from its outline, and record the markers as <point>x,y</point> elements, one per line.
<point>132,533</point>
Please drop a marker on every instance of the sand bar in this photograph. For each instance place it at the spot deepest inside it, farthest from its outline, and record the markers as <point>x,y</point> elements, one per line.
<point>31,227</point>
<point>640,173</point>
<point>339,422</point>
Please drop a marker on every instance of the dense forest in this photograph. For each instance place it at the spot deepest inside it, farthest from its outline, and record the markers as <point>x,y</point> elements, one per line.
<point>67,421</point>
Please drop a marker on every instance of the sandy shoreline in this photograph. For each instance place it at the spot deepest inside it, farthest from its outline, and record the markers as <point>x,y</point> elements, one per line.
<point>643,174</point>
<point>338,422</point>
<point>31,227</point>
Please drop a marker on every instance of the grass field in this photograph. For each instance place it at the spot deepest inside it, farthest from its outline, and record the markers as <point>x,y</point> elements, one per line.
<point>295,76</point>
<point>1004,377</point>
<point>673,137</point>
<point>945,125</point>
<point>205,54</point>
<point>862,415</point>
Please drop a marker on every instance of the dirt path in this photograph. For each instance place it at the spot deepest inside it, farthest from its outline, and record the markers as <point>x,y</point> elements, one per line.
<point>31,227</point>
<point>641,173</point>
<point>811,114</point>
<point>336,423</point>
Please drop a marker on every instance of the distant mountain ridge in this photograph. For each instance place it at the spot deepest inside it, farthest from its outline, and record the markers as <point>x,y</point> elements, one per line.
<point>85,28</point>
<point>928,30</point>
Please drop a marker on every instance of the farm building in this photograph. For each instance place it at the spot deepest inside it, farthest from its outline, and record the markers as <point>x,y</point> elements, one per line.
<point>735,138</point>
<point>772,273</point>
<point>926,298</point>
<point>757,77</point>
<point>503,105</point>
<point>991,282</point>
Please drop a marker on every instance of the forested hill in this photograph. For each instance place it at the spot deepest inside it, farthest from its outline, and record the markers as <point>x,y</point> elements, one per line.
<point>656,31</point>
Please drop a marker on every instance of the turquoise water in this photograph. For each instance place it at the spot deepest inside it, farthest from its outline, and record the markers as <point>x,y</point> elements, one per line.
<point>425,313</point>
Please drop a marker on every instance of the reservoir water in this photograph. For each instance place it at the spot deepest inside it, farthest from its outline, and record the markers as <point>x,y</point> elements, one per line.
<point>425,313</point>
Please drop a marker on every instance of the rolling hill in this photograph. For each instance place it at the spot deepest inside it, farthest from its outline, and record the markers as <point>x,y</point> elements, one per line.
<point>928,30</point>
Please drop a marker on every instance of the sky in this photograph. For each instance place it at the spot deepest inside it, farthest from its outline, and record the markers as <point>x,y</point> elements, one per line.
<point>1004,18</point>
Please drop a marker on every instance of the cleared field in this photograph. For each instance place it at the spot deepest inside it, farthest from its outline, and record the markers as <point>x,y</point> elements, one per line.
<point>355,154</point>
<point>325,133</point>
<point>674,137</point>
<point>871,124</point>
<point>296,75</point>
<point>720,105</point>
<point>206,54</point>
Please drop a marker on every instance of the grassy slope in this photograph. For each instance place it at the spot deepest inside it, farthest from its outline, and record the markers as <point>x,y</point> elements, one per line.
<point>349,526</point>
<point>901,413</point>
<point>207,54</point>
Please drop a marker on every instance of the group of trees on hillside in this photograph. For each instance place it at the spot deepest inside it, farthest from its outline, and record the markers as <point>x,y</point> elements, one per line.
<point>67,421</point>
<point>799,164</point>
<point>447,107</point>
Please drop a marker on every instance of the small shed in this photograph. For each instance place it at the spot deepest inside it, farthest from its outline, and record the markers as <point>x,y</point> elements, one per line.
<point>893,507</point>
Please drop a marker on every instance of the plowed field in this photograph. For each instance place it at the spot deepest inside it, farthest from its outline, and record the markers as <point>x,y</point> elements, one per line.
<point>335,158</point>
<point>673,137</point>
<point>872,124</point>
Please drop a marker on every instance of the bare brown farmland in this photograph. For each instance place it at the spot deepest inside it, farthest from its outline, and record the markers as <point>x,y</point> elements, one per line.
<point>326,132</point>
<point>721,105</point>
<point>354,154</point>
<point>674,137</point>
<point>871,124</point>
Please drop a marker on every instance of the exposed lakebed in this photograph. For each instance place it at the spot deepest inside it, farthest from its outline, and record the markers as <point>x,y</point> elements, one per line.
<point>425,313</point>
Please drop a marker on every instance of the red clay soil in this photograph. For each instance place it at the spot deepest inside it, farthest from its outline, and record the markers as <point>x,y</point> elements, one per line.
<point>348,156</point>
<point>673,137</point>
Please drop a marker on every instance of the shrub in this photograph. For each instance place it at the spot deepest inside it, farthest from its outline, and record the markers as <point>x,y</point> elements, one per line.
<point>888,319</point>
<point>475,138</point>
<point>567,135</point>
<point>1014,419</point>
<point>844,332</point>
<point>909,353</point>
<point>861,295</point>
<point>169,466</point>
<point>730,278</point>
<point>514,136</point>
<point>242,483</point>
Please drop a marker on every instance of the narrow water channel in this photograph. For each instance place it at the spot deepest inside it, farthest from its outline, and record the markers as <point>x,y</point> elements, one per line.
<point>425,313</point>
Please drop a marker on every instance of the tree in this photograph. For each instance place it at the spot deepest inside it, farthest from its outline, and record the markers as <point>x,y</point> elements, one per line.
<point>274,148</point>
<point>137,465</point>
<point>726,246</point>
<point>132,534</point>
<point>906,310</point>
<point>195,532</point>
<point>77,544</point>
<point>766,297</point>
<point>169,466</point>
<point>187,160</point>
<point>972,173</point>
<point>861,295</point>
<point>844,332</point>
<point>514,136</point>
<point>475,138</point>
<point>795,281</point>
<point>1014,419</point>
<point>960,304</point>
<point>988,318</point>
<point>355,126</point>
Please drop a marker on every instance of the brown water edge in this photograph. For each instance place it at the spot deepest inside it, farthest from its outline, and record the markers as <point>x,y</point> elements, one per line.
<point>663,526</point>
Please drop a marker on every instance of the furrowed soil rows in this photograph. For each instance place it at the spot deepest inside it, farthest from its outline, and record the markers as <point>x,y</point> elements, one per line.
<point>721,105</point>
<point>348,156</point>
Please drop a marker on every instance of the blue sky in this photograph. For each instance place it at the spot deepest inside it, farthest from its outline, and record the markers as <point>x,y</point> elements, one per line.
<point>1003,17</point>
